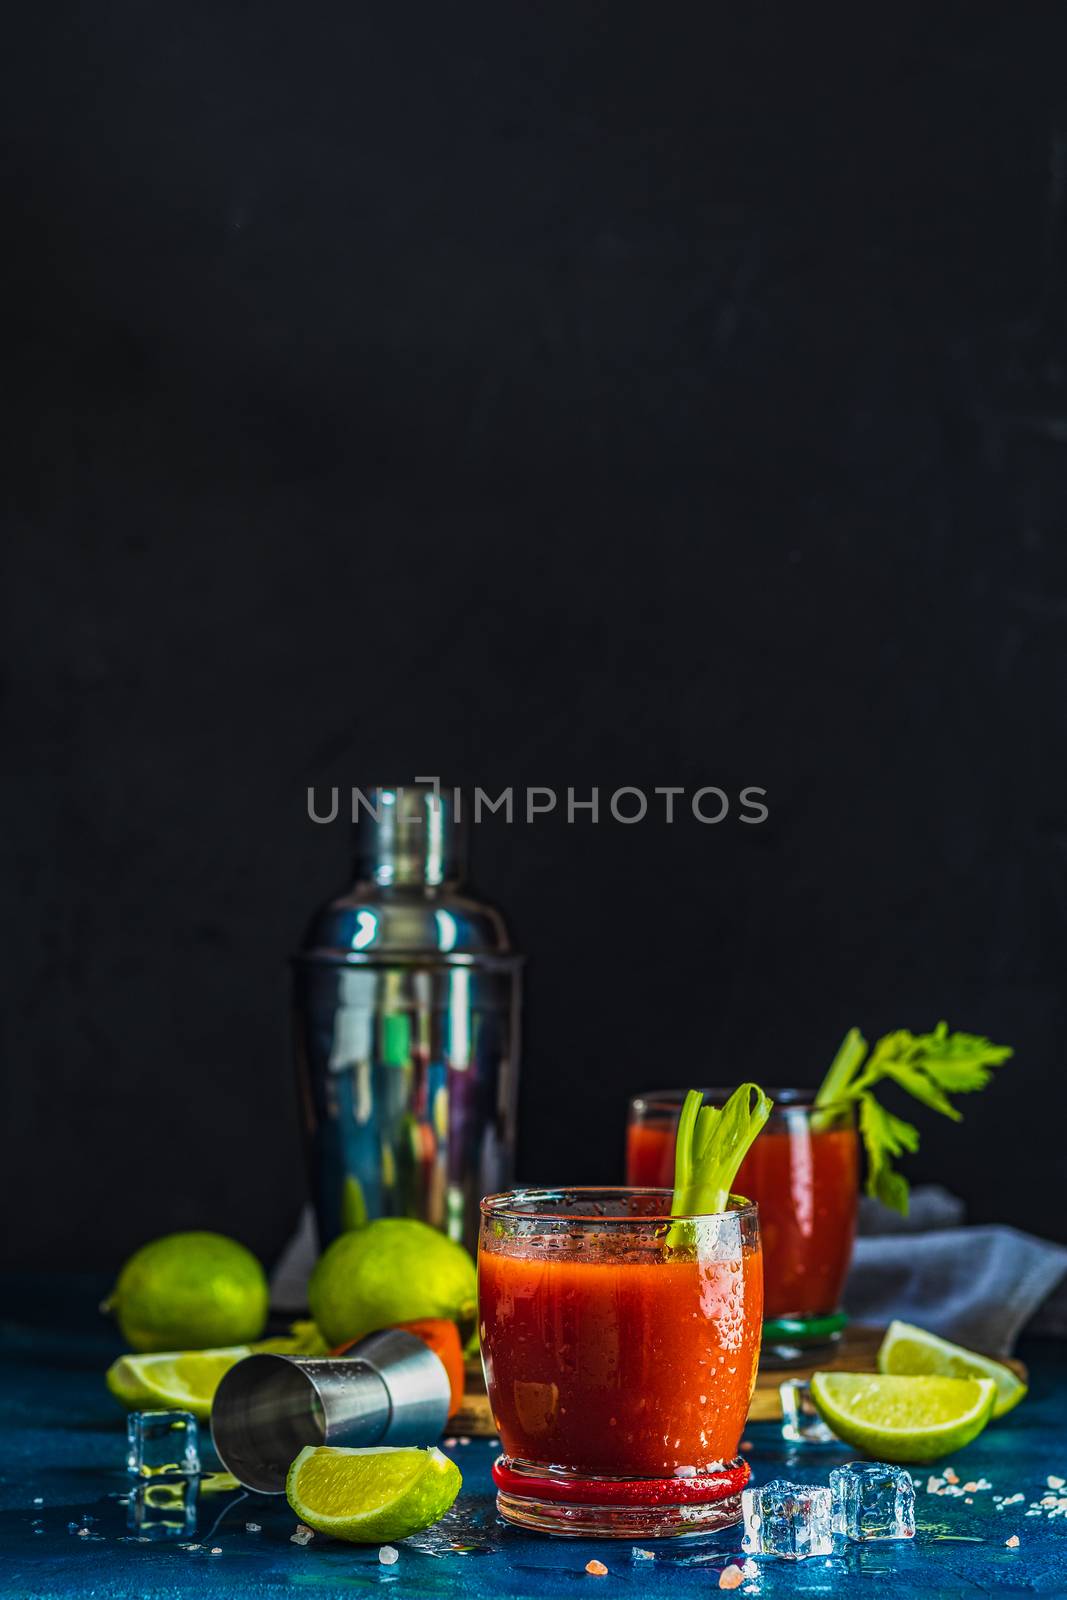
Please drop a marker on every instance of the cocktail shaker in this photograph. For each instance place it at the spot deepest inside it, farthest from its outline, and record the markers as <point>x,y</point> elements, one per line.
<point>406,1019</point>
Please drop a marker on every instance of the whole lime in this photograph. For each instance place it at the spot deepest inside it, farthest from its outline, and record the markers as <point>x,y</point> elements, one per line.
<point>190,1291</point>
<point>393,1270</point>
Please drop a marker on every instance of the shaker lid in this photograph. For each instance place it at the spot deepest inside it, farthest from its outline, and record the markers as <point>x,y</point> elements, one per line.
<point>407,836</point>
<point>405,904</point>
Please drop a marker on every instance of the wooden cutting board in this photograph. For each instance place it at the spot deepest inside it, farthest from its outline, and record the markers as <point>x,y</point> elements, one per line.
<point>855,1353</point>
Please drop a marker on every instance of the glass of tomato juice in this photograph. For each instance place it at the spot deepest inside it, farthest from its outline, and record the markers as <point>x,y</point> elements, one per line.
<point>803,1173</point>
<point>620,1347</point>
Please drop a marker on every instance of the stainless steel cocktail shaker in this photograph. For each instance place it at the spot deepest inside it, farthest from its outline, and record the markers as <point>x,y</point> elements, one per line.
<point>406,1010</point>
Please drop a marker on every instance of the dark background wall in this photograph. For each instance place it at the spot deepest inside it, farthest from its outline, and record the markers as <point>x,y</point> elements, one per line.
<point>578,394</point>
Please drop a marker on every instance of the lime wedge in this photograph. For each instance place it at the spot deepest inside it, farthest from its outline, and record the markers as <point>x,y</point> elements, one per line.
<point>181,1380</point>
<point>371,1496</point>
<point>903,1419</point>
<point>907,1350</point>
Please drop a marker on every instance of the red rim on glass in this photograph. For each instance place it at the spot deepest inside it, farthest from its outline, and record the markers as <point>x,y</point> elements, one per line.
<point>702,1489</point>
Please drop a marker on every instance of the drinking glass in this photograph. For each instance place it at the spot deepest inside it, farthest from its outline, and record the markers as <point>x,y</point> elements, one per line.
<point>803,1173</point>
<point>620,1347</point>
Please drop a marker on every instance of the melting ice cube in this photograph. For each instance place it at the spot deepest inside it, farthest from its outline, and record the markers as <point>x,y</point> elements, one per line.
<point>873,1500</point>
<point>793,1520</point>
<point>162,1442</point>
<point>801,1423</point>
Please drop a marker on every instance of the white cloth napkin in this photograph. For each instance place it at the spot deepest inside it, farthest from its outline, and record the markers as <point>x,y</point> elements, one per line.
<point>978,1286</point>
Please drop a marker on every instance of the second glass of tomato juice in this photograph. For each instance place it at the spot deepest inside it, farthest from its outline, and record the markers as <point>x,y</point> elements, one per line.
<point>803,1173</point>
<point>620,1346</point>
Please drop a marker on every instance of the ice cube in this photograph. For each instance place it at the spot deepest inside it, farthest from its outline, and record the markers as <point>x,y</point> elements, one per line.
<point>801,1423</point>
<point>162,1442</point>
<point>873,1500</point>
<point>793,1520</point>
<point>164,1509</point>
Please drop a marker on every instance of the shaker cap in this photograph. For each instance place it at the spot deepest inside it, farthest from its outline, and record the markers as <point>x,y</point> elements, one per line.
<point>407,836</point>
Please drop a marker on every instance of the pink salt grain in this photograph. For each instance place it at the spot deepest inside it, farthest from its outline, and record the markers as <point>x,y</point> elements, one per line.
<point>731,1577</point>
<point>596,1569</point>
<point>1013,1542</point>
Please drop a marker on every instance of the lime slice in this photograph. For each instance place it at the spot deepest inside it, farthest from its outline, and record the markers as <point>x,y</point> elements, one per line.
<point>371,1496</point>
<point>907,1350</point>
<point>903,1419</point>
<point>181,1380</point>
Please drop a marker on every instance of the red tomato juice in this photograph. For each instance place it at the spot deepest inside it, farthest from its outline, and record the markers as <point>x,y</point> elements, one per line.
<point>805,1183</point>
<point>628,1367</point>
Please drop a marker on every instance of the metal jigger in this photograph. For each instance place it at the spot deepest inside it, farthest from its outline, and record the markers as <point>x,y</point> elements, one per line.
<point>390,1390</point>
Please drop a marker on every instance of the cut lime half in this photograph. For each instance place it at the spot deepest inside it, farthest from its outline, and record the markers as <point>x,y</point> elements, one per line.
<point>181,1380</point>
<point>371,1496</point>
<point>903,1418</point>
<point>907,1350</point>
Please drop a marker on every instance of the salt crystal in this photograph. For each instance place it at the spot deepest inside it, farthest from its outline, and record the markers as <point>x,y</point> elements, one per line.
<point>1013,1542</point>
<point>596,1569</point>
<point>301,1535</point>
<point>951,1475</point>
<point>388,1555</point>
<point>1053,1483</point>
<point>216,1549</point>
<point>39,1499</point>
<point>969,1488</point>
<point>731,1577</point>
<point>253,1527</point>
<point>749,1568</point>
<point>933,1485</point>
<point>637,1554</point>
<point>83,1533</point>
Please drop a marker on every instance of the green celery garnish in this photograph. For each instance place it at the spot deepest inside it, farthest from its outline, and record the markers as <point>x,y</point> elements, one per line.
<point>711,1145</point>
<point>930,1067</point>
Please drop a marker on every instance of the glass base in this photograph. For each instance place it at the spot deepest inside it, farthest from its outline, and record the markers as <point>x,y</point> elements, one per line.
<point>572,1505</point>
<point>800,1341</point>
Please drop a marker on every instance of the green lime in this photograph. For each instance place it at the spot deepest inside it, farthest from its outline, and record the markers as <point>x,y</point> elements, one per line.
<point>190,1291</point>
<point>903,1419</point>
<point>909,1350</point>
<point>183,1380</point>
<point>393,1270</point>
<point>371,1496</point>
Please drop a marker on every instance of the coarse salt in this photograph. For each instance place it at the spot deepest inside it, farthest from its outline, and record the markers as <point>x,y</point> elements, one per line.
<point>731,1577</point>
<point>596,1569</point>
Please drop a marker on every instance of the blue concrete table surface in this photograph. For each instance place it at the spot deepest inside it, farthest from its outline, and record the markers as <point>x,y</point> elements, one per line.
<point>62,1462</point>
